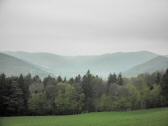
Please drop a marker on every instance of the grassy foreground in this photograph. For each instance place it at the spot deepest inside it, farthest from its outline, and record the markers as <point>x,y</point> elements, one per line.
<point>152,117</point>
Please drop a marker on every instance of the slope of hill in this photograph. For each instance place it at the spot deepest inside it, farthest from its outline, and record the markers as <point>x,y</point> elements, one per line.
<point>98,64</point>
<point>159,63</point>
<point>13,66</point>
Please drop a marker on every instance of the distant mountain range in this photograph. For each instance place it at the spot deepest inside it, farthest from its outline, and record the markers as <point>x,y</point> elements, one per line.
<point>160,63</point>
<point>13,66</point>
<point>129,63</point>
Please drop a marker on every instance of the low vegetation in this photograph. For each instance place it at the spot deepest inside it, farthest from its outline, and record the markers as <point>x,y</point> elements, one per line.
<point>152,117</point>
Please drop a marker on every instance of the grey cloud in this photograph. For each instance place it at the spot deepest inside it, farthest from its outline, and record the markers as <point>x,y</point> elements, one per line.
<point>94,25</point>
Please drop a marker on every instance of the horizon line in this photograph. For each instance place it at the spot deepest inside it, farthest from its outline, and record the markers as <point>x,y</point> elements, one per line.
<point>107,53</point>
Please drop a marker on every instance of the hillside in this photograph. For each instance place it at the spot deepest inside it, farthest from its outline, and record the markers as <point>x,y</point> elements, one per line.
<point>98,64</point>
<point>159,63</point>
<point>14,66</point>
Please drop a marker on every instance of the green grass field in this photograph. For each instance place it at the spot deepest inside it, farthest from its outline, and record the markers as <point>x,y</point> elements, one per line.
<point>152,117</point>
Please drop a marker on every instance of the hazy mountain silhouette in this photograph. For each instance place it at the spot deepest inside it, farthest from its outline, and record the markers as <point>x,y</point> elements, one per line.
<point>159,63</point>
<point>13,66</point>
<point>97,64</point>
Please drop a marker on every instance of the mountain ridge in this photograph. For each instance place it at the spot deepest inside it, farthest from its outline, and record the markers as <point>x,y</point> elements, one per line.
<point>13,66</point>
<point>72,65</point>
<point>159,63</point>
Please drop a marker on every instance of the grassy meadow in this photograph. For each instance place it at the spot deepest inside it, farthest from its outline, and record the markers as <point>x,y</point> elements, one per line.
<point>151,117</point>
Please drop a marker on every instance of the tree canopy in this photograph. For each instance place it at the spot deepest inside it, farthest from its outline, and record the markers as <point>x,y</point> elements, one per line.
<point>27,95</point>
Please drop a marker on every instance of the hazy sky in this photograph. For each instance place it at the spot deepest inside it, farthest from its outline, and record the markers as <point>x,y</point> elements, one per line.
<point>84,27</point>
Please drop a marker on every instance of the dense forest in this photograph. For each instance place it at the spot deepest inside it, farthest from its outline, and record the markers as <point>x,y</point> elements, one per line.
<point>27,95</point>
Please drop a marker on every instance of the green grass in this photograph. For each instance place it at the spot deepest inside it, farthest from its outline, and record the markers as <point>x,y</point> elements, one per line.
<point>152,117</point>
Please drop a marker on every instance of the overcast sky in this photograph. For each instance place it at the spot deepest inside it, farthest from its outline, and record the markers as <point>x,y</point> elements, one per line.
<point>84,27</point>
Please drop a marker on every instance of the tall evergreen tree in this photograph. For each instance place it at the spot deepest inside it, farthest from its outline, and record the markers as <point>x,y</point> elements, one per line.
<point>88,91</point>
<point>3,93</point>
<point>112,78</point>
<point>164,87</point>
<point>120,79</point>
<point>59,79</point>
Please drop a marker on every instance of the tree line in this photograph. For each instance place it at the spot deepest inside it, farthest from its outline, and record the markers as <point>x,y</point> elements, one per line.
<point>27,95</point>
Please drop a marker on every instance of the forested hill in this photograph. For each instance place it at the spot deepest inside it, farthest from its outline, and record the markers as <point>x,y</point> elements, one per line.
<point>13,66</point>
<point>159,63</point>
<point>72,65</point>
